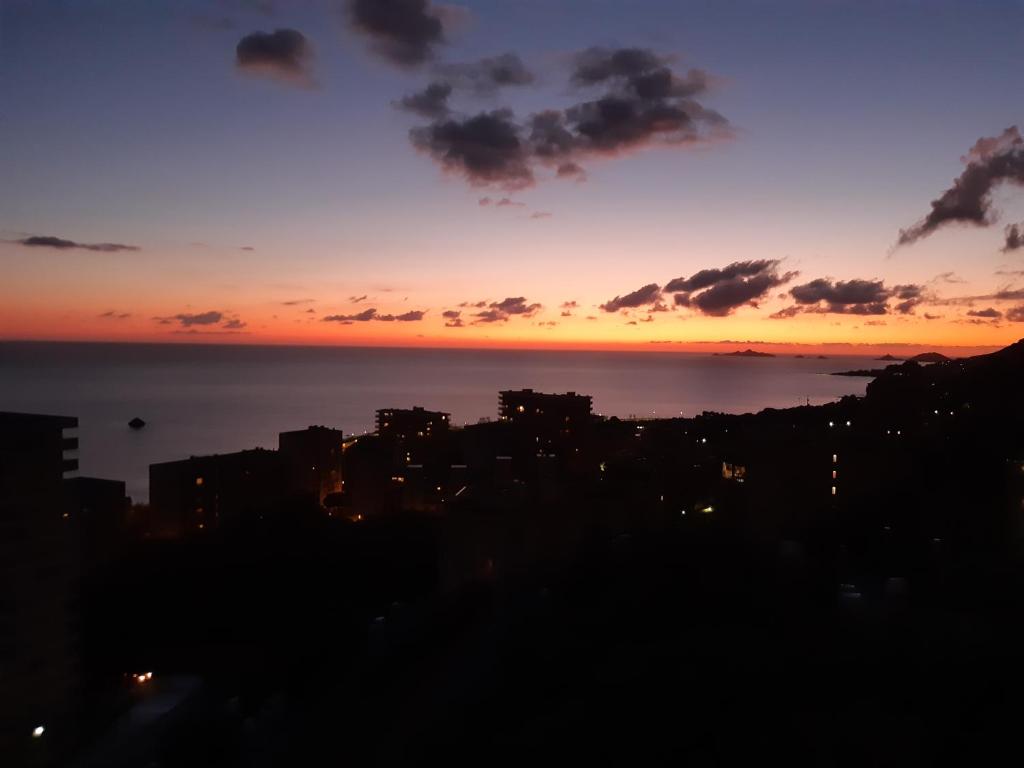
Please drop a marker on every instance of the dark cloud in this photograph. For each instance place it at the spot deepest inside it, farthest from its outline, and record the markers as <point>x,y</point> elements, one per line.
<point>411,316</point>
<point>1014,237</point>
<point>234,324</point>
<point>296,302</point>
<point>501,311</point>
<point>490,316</point>
<point>852,297</point>
<point>48,241</point>
<point>371,314</point>
<point>112,315</point>
<point>705,278</point>
<point>516,306</point>
<point>644,103</point>
<point>246,248</point>
<point>484,149</point>
<point>187,319</point>
<point>405,32</point>
<point>569,305</point>
<point>451,314</point>
<point>431,102</point>
<point>476,304</point>
<point>357,299</point>
<point>641,297</point>
<point>718,292</point>
<point>456,323</point>
<point>991,161</point>
<point>359,317</point>
<point>991,313</point>
<point>1015,315</point>
<point>485,76</point>
<point>284,54</point>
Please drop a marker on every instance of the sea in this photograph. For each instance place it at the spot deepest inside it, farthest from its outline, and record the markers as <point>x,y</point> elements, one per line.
<point>203,399</point>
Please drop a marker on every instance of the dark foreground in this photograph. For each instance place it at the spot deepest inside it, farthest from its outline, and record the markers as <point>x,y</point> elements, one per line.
<point>835,585</point>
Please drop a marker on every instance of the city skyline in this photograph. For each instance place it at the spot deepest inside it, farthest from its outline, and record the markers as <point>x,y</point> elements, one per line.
<point>483,175</point>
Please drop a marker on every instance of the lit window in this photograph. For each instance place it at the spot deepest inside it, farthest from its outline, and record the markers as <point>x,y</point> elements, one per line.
<point>520,408</point>
<point>833,474</point>
<point>833,490</point>
<point>38,731</point>
<point>835,458</point>
<point>199,481</point>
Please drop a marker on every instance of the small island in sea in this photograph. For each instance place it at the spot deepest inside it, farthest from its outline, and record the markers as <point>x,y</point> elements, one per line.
<point>744,353</point>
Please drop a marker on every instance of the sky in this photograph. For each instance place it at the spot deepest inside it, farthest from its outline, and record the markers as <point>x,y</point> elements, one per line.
<point>531,173</point>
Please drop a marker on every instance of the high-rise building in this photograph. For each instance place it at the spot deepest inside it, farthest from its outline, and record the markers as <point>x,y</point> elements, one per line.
<point>38,579</point>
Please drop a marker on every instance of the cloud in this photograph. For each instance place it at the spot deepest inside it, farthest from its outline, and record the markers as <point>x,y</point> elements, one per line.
<point>504,310</point>
<point>484,149</point>
<point>706,278</point>
<point>569,305</point>
<point>516,306</point>
<point>112,315</point>
<point>48,241</point>
<point>451,314</point>
<point>1014,237</point>
<point>991,313</point>
<point>718,292</point>
<point>359,317</point>
<point>405,32</point>
<point>1016,315</point>
<point>284,54</point>
<point>644,103</point>
<point>357,299</point>
<point>505,202</point>
<point>296,302</point>
<point>456,323</point>
<point>371,314</point>
<point>991,161</point>
<point>485,76</point>
<point>852,297</point>
<point>648,294</point>
<point>431,102</point>
<point>187,320</point>
<point>571,170</point>
<point>246,248</point>
<point>211,317</point>
<point>541,215</point>
<point>412,316</point>
<point>490,316</point>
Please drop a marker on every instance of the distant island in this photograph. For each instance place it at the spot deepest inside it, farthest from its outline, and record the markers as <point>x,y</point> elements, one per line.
<point>744,353</point>
<point>889,358</point>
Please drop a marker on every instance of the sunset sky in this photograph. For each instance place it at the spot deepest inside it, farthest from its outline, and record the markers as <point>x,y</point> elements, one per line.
<point>584,173</point>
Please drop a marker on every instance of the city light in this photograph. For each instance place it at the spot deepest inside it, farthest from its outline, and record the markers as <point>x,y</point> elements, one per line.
<point>38,731</point>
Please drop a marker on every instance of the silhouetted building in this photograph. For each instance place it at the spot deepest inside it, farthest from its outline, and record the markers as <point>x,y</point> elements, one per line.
<point>409,423</point>
<point>205,492</point>
<point>38,570</point>
<point>547,413</point>
<point>311,459</point>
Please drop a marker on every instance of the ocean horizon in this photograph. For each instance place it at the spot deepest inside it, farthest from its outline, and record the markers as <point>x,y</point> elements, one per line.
<point>202,399</point>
